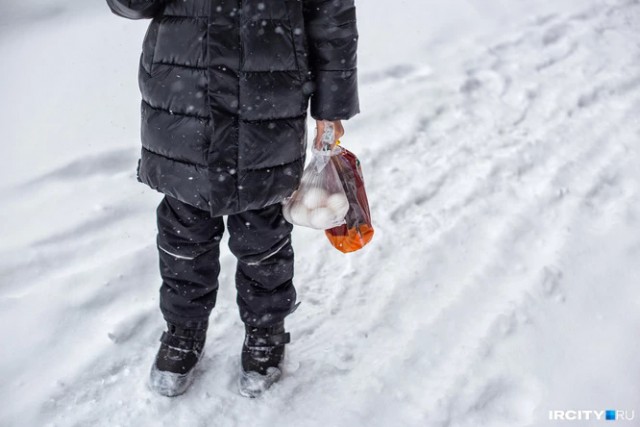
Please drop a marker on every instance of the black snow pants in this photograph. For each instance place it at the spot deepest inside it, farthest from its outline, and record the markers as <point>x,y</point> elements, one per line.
<point>188,244</point>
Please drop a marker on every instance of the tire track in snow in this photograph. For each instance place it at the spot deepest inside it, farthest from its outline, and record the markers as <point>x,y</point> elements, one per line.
<point>591,159</point>
<point>476,154</point>
<point>591,156</point>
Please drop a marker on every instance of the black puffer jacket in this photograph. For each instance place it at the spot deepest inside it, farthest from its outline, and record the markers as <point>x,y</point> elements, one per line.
<point>225,89</point>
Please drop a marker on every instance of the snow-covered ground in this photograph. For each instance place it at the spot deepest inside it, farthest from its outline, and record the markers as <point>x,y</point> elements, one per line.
<point>499,139</point>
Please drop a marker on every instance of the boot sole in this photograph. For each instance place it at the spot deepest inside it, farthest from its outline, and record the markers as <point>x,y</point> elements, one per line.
<point>170,384</point>
<point>253,384</point>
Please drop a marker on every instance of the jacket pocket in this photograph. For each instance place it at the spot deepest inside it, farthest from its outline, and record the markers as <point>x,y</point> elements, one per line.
<point>271,95</point>
<point>298,35</point>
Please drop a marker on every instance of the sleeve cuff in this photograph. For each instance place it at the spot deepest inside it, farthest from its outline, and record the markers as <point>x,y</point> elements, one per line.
<point>335,96</point>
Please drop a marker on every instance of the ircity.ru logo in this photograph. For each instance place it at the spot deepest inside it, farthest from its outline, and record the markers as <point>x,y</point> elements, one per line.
<point>586,415</point>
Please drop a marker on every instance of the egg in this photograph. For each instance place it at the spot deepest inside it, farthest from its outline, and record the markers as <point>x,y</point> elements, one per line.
<point>299,214</point>
<point>338,204</point>
<point>322,218</point>
<point>315,197</point>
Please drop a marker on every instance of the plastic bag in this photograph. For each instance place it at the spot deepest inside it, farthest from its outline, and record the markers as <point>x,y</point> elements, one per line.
<point>357,230</point>
<point>320,201</point>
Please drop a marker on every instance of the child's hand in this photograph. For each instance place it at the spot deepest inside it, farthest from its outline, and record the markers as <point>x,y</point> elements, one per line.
<point>321,126</point>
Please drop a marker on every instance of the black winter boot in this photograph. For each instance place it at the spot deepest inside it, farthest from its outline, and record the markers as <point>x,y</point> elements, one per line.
<point>180,350</point>
<point>262,354</point>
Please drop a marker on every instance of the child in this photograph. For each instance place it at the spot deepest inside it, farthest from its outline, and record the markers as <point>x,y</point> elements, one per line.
<point>225,89</point>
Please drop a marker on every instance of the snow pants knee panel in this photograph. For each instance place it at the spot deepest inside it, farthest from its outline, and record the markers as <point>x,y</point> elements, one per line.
<point>261,242</point>
<point>188,245</point>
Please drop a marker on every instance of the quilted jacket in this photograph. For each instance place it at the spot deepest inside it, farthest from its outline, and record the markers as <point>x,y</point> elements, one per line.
<point>226,85</point>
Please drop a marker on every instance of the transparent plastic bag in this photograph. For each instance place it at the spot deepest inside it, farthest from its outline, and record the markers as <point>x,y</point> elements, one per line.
<point>320,201</point>
<point>357,230</point>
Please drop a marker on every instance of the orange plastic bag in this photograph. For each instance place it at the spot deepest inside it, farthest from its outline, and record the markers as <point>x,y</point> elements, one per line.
<point>357,230</point>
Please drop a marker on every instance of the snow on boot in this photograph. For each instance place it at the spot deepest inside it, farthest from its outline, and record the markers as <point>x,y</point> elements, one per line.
<point>262,354</point>
<point>180,350</point>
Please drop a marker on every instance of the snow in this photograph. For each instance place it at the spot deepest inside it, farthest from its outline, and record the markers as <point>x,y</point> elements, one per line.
<point>499,140</point>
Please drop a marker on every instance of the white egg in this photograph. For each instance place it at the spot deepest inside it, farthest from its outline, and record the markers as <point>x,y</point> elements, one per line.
<point>299,214</point>
<point>339,204</point>
<point>322,218</point>
<point>315,197</point>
